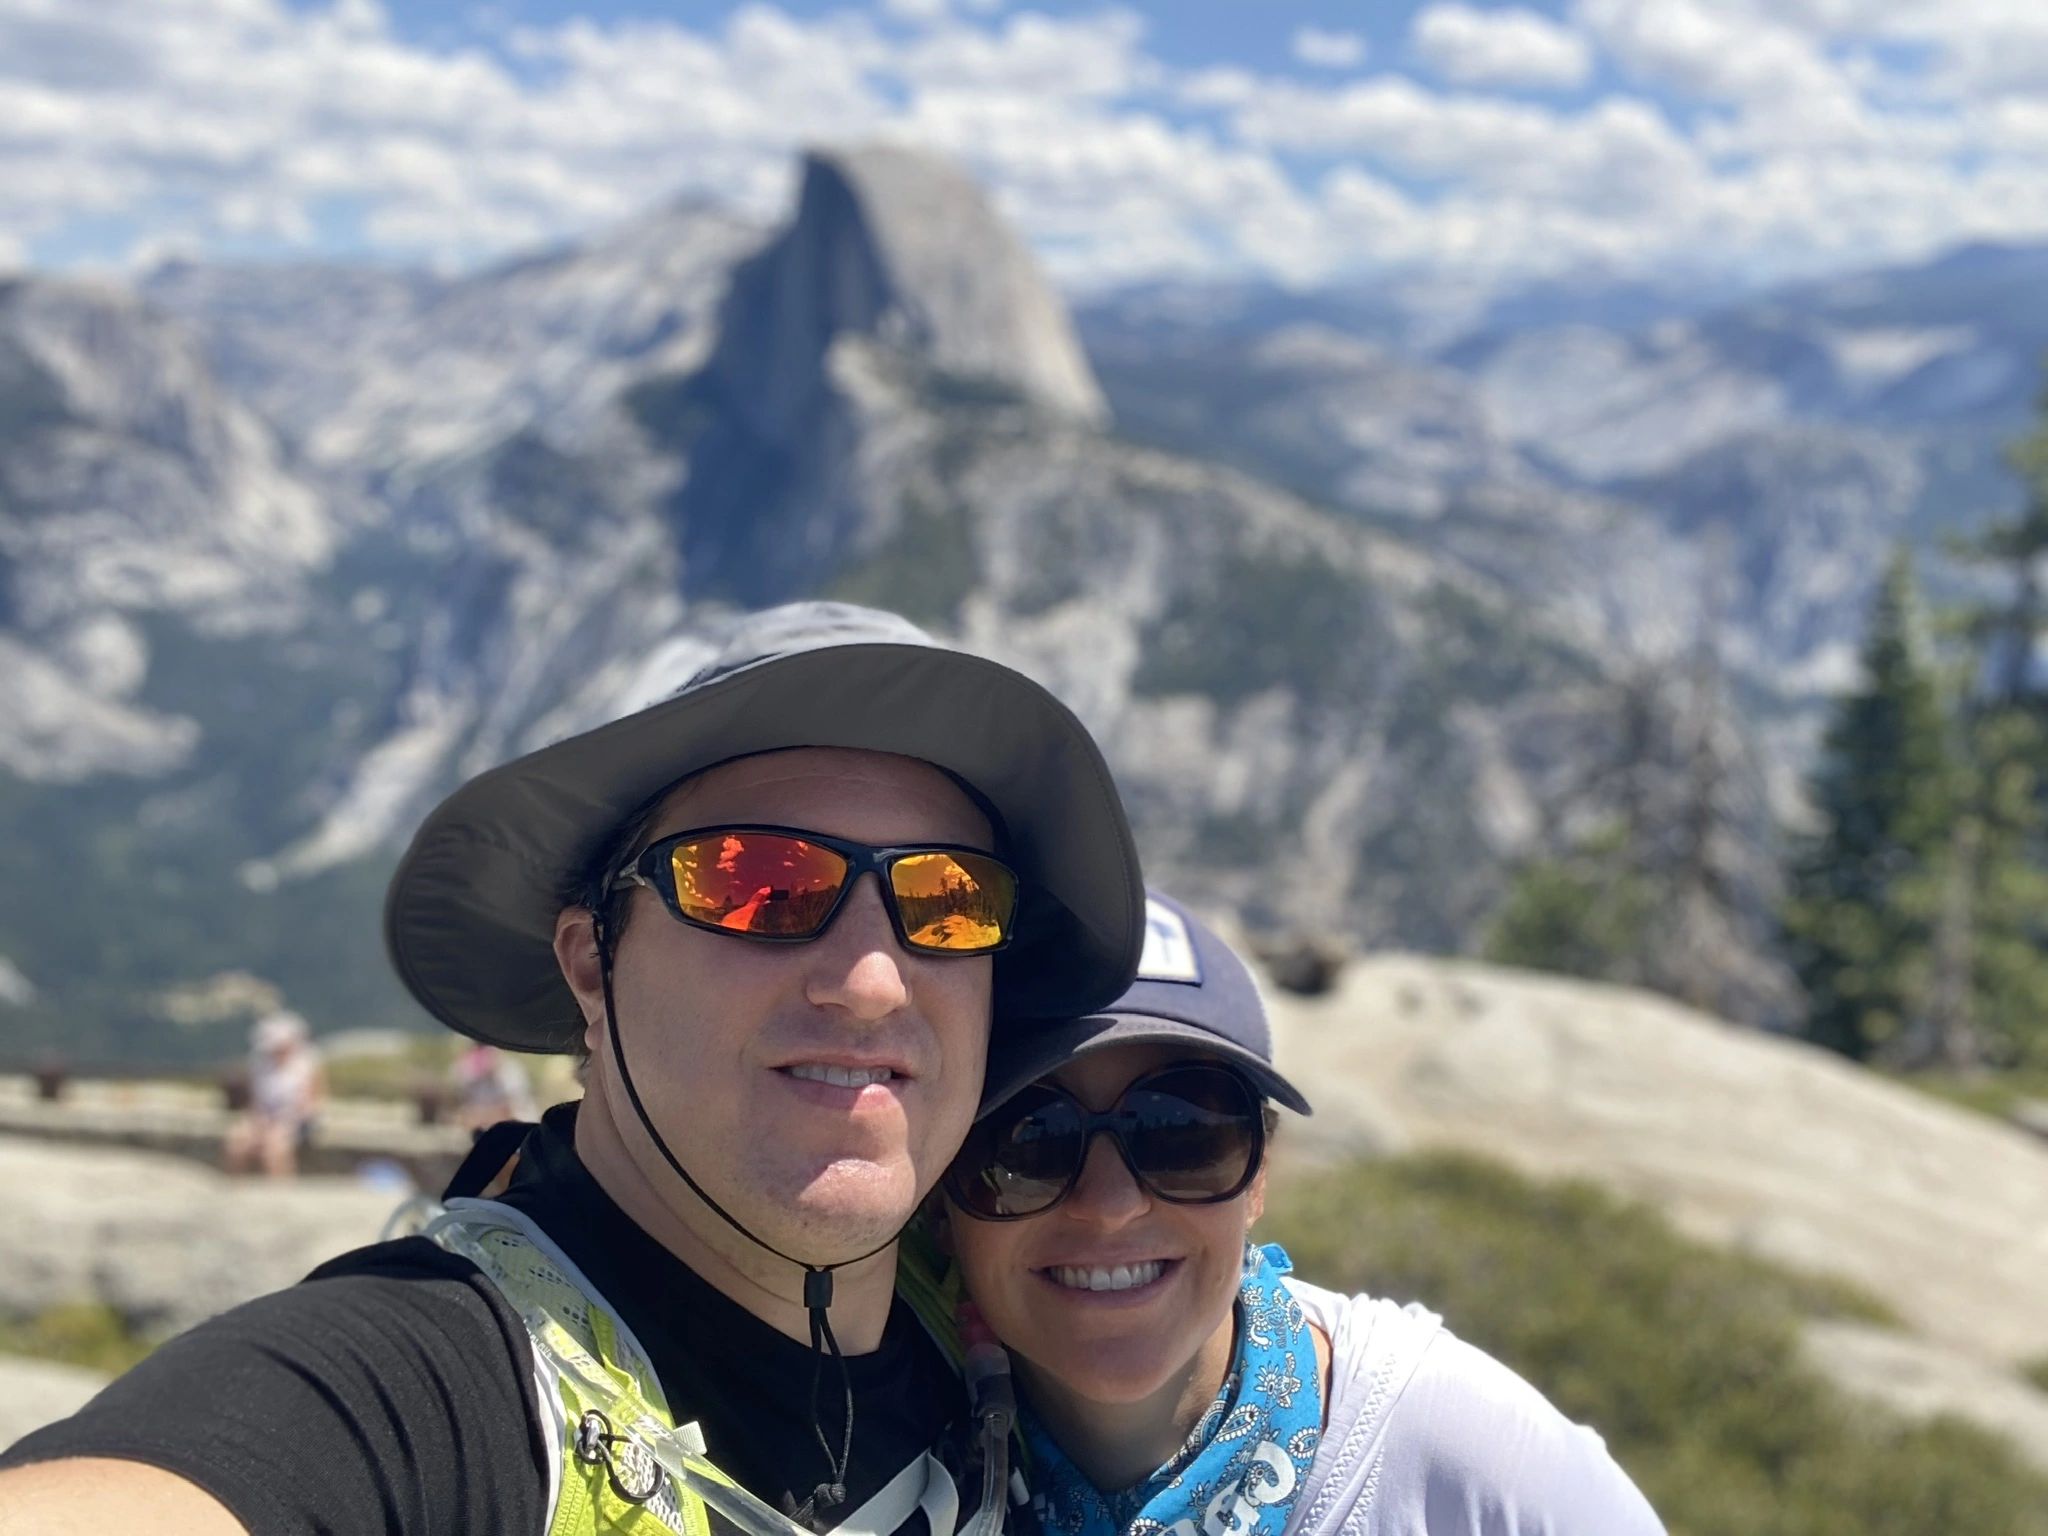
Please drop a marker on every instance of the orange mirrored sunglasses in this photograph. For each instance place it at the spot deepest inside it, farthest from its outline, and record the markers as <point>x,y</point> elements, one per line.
<point>784,885</point>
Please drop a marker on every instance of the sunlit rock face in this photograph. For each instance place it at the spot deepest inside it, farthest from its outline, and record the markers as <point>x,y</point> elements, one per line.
<point>381,374</point>
<point>903,246</point>
<point>132,488</point>
<point>894,270</point>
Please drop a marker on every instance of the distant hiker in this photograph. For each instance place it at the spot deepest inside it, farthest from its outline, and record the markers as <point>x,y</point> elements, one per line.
<point>287,1085</point>
<point>1176,1378</point>
<point>491,1087</point>
<point>777,909</point>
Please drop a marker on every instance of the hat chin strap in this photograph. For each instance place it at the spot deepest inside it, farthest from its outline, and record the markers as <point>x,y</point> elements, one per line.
<point>817,1277</point>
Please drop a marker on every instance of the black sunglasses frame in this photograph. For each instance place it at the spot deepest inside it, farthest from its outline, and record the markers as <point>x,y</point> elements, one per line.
<point>655,869</point>
<point>1113,1123</point>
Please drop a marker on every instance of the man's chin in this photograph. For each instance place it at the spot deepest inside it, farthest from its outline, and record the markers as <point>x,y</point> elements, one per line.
<point>852,1205</point>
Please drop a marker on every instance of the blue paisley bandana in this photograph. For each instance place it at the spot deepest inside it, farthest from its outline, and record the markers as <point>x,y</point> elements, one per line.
<point>1241,1468</point>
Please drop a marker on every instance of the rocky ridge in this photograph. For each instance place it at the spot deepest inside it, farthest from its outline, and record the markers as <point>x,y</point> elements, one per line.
<point>545,487</point>
<point>1749,1140</point>
<point>1317,596</point>
<point>162,1241</point>
<point>131,485</point>
<point>1746,1140</point>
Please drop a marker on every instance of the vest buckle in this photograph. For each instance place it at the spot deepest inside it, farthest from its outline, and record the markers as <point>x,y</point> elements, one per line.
<point>629,1466</point>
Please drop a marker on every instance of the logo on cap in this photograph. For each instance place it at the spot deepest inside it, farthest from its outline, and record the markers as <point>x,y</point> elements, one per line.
<point>1169,949</point>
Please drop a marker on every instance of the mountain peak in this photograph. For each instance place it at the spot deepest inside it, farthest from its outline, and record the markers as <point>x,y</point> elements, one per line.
<point>902,246</point>
<point>971,291</point>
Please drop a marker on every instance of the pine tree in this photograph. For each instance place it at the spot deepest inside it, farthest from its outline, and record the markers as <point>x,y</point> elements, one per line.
<point>2005,812</point>
<point>1672,889</point>
<point>1586,913</point>
<point>1864,915</point>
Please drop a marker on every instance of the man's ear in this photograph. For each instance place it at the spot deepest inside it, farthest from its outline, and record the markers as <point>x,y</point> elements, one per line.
<point>576,954</point>
<point>1255,1199</point>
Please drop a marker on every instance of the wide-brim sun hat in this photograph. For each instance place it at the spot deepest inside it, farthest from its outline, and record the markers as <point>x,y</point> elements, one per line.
<point>1191,991</point>
<point>469,919</point>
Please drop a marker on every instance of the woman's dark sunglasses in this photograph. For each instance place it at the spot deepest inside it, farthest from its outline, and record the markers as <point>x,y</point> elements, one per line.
<point>784,885</point>
<point>1191,1134</point>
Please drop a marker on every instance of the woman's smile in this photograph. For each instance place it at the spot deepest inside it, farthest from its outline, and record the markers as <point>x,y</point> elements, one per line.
<point>1119,1279</point>
<point>1112,1291</point>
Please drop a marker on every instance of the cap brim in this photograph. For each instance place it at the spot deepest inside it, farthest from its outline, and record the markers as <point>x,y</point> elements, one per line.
<point>470,917</point>
<point>1020,1059</point>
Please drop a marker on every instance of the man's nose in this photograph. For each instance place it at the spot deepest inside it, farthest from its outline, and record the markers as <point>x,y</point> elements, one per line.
<point>857,963</point>
<point>1105,1195</point>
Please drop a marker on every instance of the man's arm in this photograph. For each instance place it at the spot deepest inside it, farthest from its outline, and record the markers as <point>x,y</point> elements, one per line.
<point>391,1395</point>
<point>87,1496</point>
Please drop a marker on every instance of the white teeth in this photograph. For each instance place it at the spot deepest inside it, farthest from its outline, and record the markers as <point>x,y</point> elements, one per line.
<point>839,1077</point>
<point>1122,1277</point>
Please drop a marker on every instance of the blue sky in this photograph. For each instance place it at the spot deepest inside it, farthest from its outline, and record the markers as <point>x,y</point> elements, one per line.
<point>1191,34</point>
<point>1473,143</point>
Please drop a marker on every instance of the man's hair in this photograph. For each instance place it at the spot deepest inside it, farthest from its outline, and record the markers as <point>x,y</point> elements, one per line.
<point>597,888</point>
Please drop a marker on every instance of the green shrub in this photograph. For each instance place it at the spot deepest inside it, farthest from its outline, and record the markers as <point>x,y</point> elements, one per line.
<point>1685,1358</point>
<point>2036,1371</point>
<point>79,1333</point>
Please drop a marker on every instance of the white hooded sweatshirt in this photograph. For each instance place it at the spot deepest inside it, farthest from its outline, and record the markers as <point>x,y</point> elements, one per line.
<point>1426,1436</point>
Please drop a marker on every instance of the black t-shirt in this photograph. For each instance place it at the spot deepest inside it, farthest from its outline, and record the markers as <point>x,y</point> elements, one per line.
<point>392,1390</point>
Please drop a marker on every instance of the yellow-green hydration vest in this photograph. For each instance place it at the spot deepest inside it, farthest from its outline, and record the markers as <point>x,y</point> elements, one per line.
<point>618,1461</point>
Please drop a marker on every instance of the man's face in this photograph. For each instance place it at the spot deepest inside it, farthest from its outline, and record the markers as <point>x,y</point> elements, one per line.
<point>727,1037</point>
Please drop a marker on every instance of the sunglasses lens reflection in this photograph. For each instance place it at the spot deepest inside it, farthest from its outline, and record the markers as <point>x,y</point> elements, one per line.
<point>1194,1133</point>
<point>776,885</point>
<point>757,882</point>
<point>1022,1160</point>
<point>954,902</point>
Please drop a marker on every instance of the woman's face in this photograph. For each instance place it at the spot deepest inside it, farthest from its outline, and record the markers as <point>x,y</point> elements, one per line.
<point>1030,1277</point>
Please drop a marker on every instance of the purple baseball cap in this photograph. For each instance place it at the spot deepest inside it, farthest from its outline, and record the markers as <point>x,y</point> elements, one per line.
<point>1191,990</point>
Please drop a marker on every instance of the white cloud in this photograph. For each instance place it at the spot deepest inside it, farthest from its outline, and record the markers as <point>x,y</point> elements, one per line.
<point>1712,50</point>
<point>1511,47</point>
<point>1619,154</point>
<point>1773,136</point>
<point>1328,50</point>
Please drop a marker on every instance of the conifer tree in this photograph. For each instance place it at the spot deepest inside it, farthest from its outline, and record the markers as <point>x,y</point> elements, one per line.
<point>1868,889</point>
<point>2005,810</point>
<point>1671,888</point>
<point>2006,816</point>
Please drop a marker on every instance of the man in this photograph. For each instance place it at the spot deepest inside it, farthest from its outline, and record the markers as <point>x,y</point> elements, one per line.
<point>777,909</point>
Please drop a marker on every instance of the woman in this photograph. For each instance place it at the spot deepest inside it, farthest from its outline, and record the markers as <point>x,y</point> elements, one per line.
<point>287,1086</point>
<point>1175,1381</point>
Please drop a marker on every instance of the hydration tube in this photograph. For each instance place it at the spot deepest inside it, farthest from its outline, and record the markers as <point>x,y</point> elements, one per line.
<point>994,1399</point>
